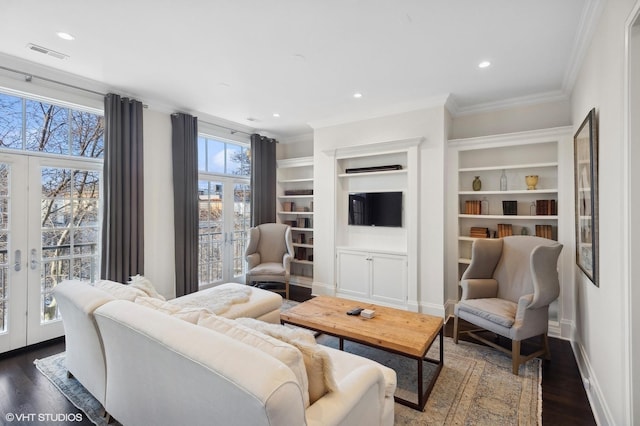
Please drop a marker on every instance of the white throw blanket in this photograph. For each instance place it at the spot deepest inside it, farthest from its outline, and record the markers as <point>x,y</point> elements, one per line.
<point>217,300</point>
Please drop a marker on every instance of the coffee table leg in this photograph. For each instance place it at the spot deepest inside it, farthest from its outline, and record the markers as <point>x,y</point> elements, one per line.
<point>423,394</point>
<point>341,344</point>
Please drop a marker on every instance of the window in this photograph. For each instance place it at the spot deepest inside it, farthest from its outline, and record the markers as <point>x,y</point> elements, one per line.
<point>223,157</point>
<point>35,126</point>
<point>62,182</point>
<point>224,209</point>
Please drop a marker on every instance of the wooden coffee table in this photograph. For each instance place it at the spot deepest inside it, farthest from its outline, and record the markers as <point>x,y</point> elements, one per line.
<point>405,333</point>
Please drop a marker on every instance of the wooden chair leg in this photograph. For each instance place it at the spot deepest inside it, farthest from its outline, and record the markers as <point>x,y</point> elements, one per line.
<point>286,289</point>
<point>515,356</point>
<point>455,329</point>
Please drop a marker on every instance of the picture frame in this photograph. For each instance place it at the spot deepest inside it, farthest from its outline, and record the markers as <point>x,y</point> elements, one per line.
<point>586,195</point>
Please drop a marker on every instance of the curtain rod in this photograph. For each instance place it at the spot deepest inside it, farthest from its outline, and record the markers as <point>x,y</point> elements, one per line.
<point>233,131</point>
<point>28,77</point>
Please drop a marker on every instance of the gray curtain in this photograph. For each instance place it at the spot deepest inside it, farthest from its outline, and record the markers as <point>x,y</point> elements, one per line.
<point>184,141</point>
<point>263,180</point>
<point>123,218</point>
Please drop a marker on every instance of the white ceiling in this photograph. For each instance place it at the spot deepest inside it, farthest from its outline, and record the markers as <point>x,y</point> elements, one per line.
<point>243,60</point>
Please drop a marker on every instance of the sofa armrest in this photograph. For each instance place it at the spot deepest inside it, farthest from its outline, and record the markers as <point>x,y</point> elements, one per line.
<point>359,401</point>
<point>253,260</point>
<point>478,288</point>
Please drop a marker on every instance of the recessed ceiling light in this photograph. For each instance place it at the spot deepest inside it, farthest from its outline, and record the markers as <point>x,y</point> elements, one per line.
<point>276,115</point>
<point>484,64</point>
<point>65,36</point>
<point>357,95</point>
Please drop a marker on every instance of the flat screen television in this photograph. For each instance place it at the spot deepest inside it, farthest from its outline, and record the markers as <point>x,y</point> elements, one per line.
<point>375,209</point>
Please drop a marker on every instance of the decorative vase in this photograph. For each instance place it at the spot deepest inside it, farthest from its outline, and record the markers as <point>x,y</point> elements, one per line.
<point>503,181</point>
<point>477,184</point>
<point>532,181</point>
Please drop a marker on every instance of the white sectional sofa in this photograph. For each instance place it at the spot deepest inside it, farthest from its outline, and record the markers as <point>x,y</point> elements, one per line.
<point>167,369</point>
<point>84,351</point>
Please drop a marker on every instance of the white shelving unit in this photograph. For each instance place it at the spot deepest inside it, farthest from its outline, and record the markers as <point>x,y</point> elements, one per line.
<point>295,175</point>
<point>516,155</point>
<point>377,263</point>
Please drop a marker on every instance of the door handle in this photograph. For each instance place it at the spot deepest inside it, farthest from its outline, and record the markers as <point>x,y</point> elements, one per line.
<point>18,256</point>
<point>34,260</point>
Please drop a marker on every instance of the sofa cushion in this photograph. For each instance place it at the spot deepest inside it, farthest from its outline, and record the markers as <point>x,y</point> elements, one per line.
<point>120,291</point>
<point>316,360</point>
<point>286,353</point>
<point>191,315</point>
<point>145,285</point>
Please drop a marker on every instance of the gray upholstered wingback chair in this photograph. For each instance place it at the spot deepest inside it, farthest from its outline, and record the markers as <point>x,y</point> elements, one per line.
<point>269,254</point>
<point>507,289</point>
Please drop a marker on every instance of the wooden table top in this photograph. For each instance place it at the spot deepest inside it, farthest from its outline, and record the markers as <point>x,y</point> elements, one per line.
<point>409,333</point>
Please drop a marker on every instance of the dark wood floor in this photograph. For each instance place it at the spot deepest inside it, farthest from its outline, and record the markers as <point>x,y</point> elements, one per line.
<point>23,390</point>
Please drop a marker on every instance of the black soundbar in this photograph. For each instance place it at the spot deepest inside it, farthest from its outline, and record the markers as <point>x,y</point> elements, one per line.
<point>374,169</point>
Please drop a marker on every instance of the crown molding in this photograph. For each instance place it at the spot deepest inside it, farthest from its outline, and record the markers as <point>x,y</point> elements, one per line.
<point>381,111</point>
<point>538,98</point>
<point>586,28</point>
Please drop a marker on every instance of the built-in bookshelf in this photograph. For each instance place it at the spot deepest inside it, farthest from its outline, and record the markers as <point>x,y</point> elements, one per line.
<point>295,208</point>
<point>494,198</point>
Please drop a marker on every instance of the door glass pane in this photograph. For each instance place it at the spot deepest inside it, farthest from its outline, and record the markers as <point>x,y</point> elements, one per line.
<point>211,237</point>
<point>69,230</point>
<point>241,225</point>
<point>4,244</point>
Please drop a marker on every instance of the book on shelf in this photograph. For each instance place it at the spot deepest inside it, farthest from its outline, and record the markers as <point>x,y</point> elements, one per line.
<point>288,206</point>
<point>505,230</point>
<point>546,207</point>
<point>303,222</point>
<point>478,232</point>
<point>473,207</point>
<point>544,231</point>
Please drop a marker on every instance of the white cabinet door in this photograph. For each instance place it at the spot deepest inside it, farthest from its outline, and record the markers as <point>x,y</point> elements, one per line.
<point>353,273</point>
<point>388,277</point>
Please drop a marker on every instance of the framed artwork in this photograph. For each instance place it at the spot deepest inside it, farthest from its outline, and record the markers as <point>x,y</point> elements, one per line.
<point>586,190</point>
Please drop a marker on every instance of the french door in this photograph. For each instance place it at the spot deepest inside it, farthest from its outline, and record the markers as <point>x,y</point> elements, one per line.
<point>49,231</point>
<point>225,217</point>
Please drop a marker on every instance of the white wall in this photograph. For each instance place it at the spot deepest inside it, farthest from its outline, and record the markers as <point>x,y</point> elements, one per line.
<point>159,262</point>
<point>601,336</point>
<point>427,123</point>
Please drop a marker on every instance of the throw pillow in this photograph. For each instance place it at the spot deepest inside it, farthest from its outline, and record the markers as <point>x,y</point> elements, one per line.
<point>145,285</point>
<point>286,353</point>
<point>317,362</point>
<point>119,291</point>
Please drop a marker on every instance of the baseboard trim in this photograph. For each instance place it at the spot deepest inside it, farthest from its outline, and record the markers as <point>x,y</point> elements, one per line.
<point>601,412</point>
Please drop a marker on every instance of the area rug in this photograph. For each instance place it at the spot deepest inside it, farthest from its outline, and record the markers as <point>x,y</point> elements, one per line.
<point>55,369</point>
<point>475,386</point>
